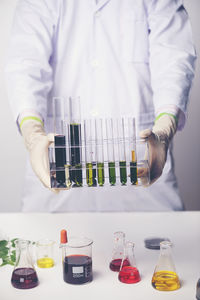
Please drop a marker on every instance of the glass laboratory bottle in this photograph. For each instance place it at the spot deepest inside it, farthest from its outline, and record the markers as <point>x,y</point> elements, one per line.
<point>24,275</point>
<point>118,249</point>
<point>165,277</point>
<point>128,271</point>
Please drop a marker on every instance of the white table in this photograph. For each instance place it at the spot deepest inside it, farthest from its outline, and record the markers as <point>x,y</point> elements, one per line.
<point>183,228</point>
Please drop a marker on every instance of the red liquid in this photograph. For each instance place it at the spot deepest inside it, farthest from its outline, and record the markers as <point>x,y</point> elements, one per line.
<point>129,274</point>
<point>77,269</point>
<point>116,263</point>
<point>24,278</point>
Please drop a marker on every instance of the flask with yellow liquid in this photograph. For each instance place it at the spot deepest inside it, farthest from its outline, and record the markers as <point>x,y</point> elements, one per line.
<point>165,277</point>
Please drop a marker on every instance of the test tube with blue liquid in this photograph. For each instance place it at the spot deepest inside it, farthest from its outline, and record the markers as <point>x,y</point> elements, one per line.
<point>90,152</point>
<point>100,151</point>
<point>111,154</point>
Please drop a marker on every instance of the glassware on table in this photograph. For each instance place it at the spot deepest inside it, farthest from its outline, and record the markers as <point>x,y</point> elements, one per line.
<point>165,277</point>
<point>77,260</point>
<point>24,275</point>
<point>128,271</point>
<point>45,253</point>
<point>118,250</point>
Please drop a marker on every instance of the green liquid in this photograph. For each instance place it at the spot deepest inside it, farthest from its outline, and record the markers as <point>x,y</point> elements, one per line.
<point>76,175</point>
<point>133,171</point>
<point>101,178</point>
<point>123,173</point>
<point>91,174</point>
<point>112,173</point>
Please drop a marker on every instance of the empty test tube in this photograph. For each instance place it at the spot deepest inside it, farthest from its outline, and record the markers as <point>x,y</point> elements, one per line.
<point>100,153</point>
<point>90,152</point>
<point>111,154</point>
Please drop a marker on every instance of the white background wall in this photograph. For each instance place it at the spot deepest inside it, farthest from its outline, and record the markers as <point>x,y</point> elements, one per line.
<point>12,152</point>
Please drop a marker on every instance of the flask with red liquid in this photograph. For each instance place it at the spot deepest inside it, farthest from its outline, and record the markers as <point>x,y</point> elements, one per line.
<point>118,249</point>
<point>24,275</point>
<point>128,271</point>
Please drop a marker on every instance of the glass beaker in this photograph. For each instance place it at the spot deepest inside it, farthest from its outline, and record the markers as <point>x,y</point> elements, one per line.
<point>77,262</point>
<point>24,275</point>
<point>45,253</point>
<point>118,250</point>
<point>165,277</point>
<point>128,271</point>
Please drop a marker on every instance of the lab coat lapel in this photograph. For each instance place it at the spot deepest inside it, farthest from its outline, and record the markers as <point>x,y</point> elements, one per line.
<point>101,4</point>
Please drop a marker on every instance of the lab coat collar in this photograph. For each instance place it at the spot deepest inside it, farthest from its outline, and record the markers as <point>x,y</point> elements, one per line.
<point>101,4</point>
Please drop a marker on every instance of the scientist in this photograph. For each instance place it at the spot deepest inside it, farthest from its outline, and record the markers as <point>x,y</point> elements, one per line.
<point>123,58</point>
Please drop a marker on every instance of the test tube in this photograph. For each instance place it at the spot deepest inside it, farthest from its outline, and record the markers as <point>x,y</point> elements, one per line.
<point>75,141</point>
<point>59,141</point>
<point>122,151</point>
<point>132,151</point>
<point>111,154</point>
<point>100,154</point>
<point>90,152</point>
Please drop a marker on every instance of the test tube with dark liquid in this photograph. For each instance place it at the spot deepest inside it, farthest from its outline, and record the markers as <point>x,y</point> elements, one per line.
<point>75,154</point>
<point>111,154</point>
<point>122,151</point>
<point>60,158</point>
<point>100,152</point>
<point>90,152</point>
<point>75,141</point>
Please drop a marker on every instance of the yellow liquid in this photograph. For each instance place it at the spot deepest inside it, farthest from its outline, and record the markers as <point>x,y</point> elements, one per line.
<point>45,262</point>
<point>165,281</point>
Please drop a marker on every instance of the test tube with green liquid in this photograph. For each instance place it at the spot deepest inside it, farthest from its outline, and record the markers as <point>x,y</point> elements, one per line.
<point>132,151</point>
<point>110,149</point>
<point>90,152</point>
<point>100,152</point>
<point>75,142</point>
<point>122,151</point>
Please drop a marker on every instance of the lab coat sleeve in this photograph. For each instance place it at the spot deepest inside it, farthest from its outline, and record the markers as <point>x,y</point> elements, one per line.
<point>28,69</point>
<point>172,55</point>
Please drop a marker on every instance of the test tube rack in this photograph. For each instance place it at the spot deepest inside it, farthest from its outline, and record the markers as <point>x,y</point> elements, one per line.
<point>93,153</point>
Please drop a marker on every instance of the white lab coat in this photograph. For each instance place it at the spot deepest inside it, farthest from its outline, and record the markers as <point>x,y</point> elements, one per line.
<point>123,58</point>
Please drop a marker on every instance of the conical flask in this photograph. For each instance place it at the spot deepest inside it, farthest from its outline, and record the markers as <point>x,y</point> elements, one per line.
<point>128,271</point>
<point>24,275</point>
<point>165,277</point>
<point>118,249</point>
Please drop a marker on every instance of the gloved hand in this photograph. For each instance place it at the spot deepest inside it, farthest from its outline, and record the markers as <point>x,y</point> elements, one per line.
<point>37,143</point>
<point>158,141</point>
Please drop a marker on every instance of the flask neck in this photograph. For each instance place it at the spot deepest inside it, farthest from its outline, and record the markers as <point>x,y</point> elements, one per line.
<point>23,257</point>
